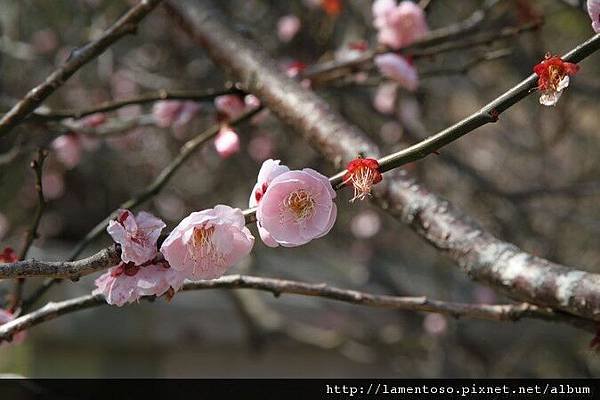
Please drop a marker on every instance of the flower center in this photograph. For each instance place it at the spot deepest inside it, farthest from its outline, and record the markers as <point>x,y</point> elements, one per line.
<point>301,203</point>
<point>203,248</point>
<point>362,181</point>
<point>556,75</point>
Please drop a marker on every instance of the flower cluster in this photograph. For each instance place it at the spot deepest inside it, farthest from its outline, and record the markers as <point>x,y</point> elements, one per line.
<point>142,271</point>
<point>293,207</point>
<point>398,25</point>
<point>553,77</point>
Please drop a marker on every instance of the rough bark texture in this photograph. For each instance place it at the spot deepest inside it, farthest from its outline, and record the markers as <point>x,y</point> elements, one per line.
<point>482,256</point>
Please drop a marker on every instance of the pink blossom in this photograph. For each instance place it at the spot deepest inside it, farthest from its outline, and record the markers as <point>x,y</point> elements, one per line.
<point>385,97</point>
<point>6,316</point>
<point>400,25</point>
<point>287,27</point>
<point>297,207</point>
<point>174,113</point>
<point>227,142</point>
<point>269,170</point>
<point>68,149</point>
<point>136,235</point>
<point>399,69</point>
<point>207,243</point>
<point>126,283</point>
<point>230,105</point>
<point>593,7</point>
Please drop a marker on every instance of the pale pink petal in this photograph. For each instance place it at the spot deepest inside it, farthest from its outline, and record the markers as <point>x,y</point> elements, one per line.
<point>593,7</point>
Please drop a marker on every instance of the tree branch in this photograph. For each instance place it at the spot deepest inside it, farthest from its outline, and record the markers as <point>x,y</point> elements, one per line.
<point>505,312</point>
<point>127,24</point>
<point>73,270</point>
<point>481,255</point>
<point>160,95</point>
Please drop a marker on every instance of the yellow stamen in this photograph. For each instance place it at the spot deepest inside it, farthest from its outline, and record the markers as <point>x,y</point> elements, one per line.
<point>301,203</point>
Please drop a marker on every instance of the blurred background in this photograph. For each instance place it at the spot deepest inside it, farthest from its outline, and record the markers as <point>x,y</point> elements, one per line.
<point>531,179</point>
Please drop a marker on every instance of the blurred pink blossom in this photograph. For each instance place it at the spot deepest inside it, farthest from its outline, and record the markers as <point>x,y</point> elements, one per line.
<point>230,105</point>
<point>385,97</point>
<point>68,149</point>
<point>261,147</point>
<point>174,113</point>
<point>399,25</point>
<point>366,224</point>
<point>53,184</point>
<point>126,283</point>
<point>227,142</point>
<point>6,316</point>
<point>207,243</point>
<point>398,69</point>
<point>297,207</point>
<point>593,7</point>
<point>435,324</point>
<point>269,170</point>
<point>287,27</point>
<point>136,235</point>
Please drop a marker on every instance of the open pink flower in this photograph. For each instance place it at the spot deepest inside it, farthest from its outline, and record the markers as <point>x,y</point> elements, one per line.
<point>136,235</point>
<point>6,316</point>
<point>400,25</point>
<point>297,207</point>
<point>269,170</point>
<point>593,7</point>
<point>398,69</point>
<point>227,142</point>
<point>126,283</point>
<point>174,113</point>
<point>207,243</point>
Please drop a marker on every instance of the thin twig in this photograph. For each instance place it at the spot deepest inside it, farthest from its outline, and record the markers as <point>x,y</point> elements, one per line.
<point>433,38</point>
<point>504,312</point>
<point>151,97</point>
<point>127,24</point>
<point>32,233</point>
